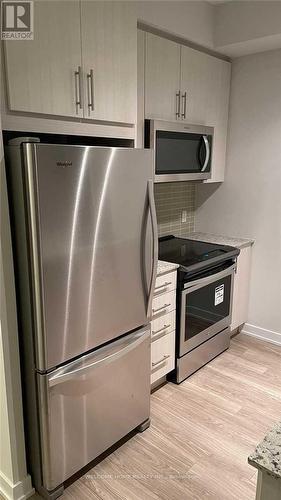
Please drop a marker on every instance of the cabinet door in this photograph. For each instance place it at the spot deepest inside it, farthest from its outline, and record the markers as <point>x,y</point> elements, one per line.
<point>41,72</point>
<point>241,288</point>
<point>206,81</point>
<point>162,77</point>
<point>195,77</point>
<point>217,114</point>
<point>109,52</point>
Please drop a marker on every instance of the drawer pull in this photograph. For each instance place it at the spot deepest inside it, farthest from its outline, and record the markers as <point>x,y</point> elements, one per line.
<point>166,356</point>
<point>167,283</point>
<point>160,308</point>
<point>154,338</point>
<point>155,332</point>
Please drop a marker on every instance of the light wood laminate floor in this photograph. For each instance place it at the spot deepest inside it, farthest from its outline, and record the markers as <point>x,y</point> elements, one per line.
<point>201,433</point>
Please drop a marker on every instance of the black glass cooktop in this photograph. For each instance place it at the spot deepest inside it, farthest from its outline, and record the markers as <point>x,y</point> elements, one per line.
<point>191,254</point>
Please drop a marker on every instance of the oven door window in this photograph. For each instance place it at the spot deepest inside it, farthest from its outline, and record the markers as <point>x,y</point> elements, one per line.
<point>180,153</point>
<point>207,306</point>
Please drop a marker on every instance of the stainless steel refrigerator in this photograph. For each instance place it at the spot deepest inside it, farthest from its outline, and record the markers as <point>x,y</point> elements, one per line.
<point>85,239</point>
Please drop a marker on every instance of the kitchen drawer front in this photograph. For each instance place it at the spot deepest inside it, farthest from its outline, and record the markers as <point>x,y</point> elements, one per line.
<point>165,283</point>
<point>164,303</point>
<point>163,325</point>
<point>162,356</point>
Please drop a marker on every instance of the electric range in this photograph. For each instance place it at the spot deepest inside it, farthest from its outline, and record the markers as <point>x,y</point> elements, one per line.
<point>204,300</point>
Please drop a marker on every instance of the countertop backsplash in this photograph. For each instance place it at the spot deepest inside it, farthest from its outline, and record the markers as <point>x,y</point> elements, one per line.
<point>171,199</point>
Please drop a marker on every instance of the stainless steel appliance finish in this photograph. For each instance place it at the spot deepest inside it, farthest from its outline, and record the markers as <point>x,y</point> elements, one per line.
<point>204,300</point>
<point>203,132</point>
<point>86,252</point>
<point>91,259</point>
<point>91,403</point>
<point>204,317</point>
<point>192,361</point>
<point>186,345</point>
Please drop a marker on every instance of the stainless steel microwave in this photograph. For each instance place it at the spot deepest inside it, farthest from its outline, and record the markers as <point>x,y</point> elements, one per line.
<point>182,152</point>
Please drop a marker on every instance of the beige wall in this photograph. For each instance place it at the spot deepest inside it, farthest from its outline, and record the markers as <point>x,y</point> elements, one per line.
<point>248,203</point>
<point>14,481</point>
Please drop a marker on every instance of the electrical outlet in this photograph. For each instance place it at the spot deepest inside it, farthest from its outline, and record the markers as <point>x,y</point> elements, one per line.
<point>183,215</point>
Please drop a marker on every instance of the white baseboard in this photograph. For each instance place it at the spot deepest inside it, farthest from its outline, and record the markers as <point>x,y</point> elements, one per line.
<point>262,333</point>
<point>18,491</point>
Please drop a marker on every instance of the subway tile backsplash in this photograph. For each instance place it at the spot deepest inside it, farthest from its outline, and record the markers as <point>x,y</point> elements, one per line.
<point>171,199</point>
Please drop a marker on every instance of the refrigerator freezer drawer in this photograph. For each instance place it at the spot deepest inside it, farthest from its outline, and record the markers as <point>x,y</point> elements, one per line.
<point>91,403</point>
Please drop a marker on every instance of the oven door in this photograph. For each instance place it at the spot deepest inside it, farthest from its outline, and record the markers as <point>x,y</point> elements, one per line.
<point>206,306</point>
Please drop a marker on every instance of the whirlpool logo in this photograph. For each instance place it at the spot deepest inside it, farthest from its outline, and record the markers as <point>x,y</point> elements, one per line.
<point>64,164</point>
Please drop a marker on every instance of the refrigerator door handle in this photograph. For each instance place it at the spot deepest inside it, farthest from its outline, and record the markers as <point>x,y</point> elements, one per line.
<point>152,211</point>
<point>98,358</point>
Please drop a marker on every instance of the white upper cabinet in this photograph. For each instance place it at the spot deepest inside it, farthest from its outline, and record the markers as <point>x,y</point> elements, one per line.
<point>162,78</point>
<point>196,73</point>
<point>203,82</point>
<point>81,63</point>
<point>217,115</point>
<point>109,52</point>
<point>41,72</point>
<point>206,81</point>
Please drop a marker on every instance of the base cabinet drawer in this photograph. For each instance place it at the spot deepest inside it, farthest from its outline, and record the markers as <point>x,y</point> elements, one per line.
<point>165,283</point>
<point>162,356</point>
<point>163,304</point>
<point>163,325</point>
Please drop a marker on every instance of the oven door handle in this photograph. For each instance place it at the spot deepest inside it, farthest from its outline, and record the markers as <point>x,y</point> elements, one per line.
<point>210,279</point>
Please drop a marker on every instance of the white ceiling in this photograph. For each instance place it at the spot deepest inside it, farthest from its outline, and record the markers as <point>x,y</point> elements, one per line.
<point>218,2</point>
<point>246,27</point>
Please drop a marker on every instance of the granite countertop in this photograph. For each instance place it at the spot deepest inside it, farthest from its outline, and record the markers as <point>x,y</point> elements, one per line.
<point>267,455</point>
<point>221,240</point>
<point>165,267</point>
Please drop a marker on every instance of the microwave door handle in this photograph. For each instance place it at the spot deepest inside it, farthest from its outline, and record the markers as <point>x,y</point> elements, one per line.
<point>207,147</point>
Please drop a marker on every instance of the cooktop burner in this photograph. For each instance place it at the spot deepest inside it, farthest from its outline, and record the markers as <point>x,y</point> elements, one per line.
<point>192,255</point>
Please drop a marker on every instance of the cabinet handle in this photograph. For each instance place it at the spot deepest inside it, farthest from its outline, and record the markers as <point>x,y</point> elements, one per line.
<point>166,356</point>
<point>184,105</point>
<point>178,104</point>
<point>155,332</point>
<point>160,308</point>
<point>155,337</point>
<point>90,84</point>
<point>78,86</point>
<point>167,283</point>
